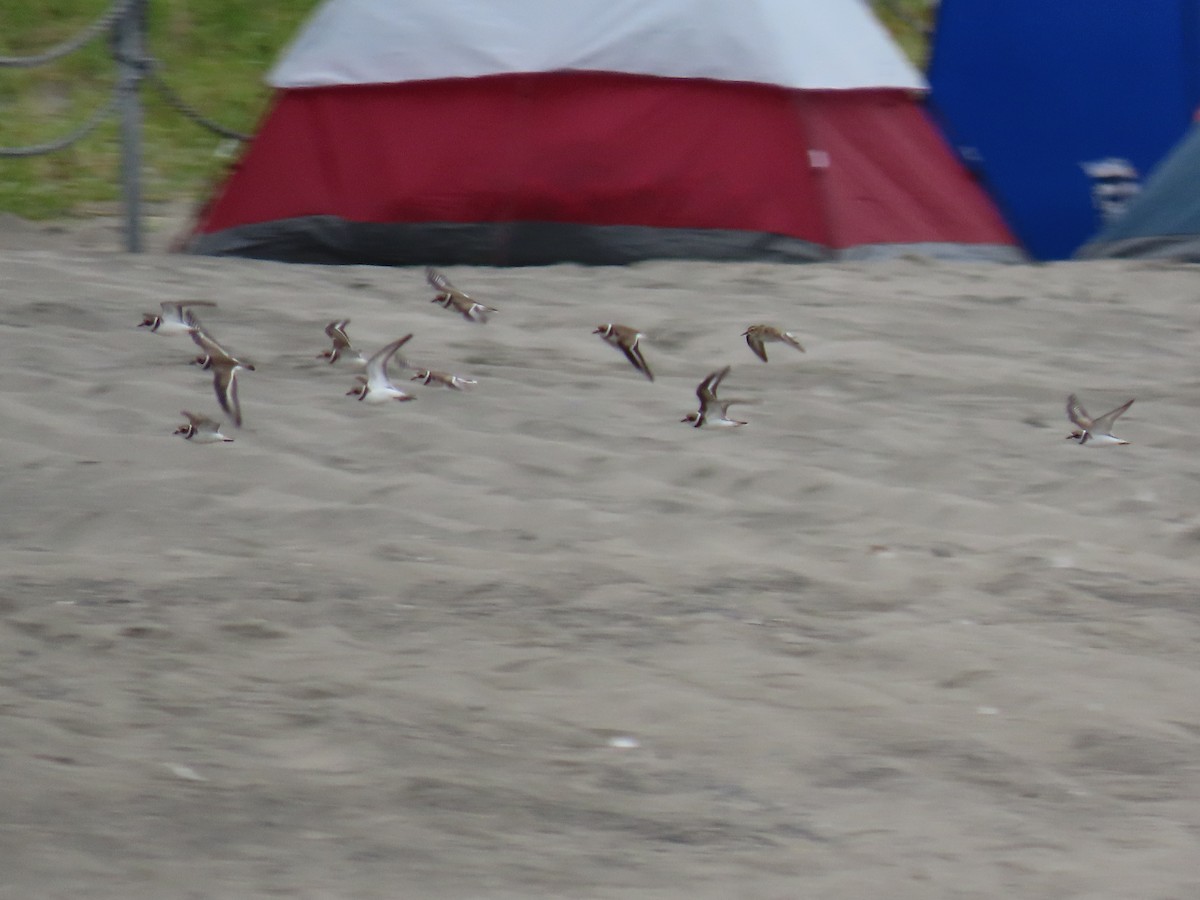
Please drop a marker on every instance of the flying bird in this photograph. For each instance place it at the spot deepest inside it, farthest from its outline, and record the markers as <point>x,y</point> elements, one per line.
<point>706,393</point>
<point>1097,431</point>
<point>225,367</point>
<point>433,376</point>
<point>174,318</point>
<point>757,337</point>
<point>376,386</point>
<point>202,430</point>
<point>451,297</point>
<point>626,339</point>
<point>341,343</point>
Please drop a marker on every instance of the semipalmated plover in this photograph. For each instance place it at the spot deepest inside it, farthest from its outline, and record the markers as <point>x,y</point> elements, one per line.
<point>450,296</point>
<point>341,343</point>
<point>758,335</point>
<point>174,318</point>
<point>210,346</point>
<point>375,386</point>
<point>626,339</point>
<point>707,394</point>
<point>433,376</point>
<point>1097,431</point>
<point>224,367</point>
<point>202,429</point>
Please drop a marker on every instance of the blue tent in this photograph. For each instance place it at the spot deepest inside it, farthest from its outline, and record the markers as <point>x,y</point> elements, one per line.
<point>1164,220</point>
<point>1032,91</point>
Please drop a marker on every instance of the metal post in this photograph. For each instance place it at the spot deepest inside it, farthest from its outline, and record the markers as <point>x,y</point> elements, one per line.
<point>130,54</point>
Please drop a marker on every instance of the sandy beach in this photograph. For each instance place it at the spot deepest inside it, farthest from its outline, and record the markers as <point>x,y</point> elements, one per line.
<point>895,638</point>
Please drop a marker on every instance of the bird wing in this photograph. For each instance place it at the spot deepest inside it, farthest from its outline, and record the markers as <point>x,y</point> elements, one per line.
<point>1077,414</point>
<point>755,344</point>
<point>232,389</point>
<point>706,391</point>
<point>176,307</point>
<point>337,334</point>
<point>789,338</point>
<point>634,355</point>
<point>1104,423</point>
<point>206,342</point>
<point>224,386</point>
<point>377,374</point>
<point>439,281</point>
<point>744,401</point>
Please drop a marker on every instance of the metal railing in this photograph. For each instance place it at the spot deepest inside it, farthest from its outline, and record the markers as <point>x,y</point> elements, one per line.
<point>125,24</point>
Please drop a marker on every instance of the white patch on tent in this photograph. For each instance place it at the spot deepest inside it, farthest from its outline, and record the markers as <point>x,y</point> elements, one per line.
<point>1114,183</point>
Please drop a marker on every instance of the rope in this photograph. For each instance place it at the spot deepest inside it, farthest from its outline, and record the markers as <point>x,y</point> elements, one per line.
<point>70,138</point>
<point>146,69</point>
<point>98,27</point>
<point>181,106</point>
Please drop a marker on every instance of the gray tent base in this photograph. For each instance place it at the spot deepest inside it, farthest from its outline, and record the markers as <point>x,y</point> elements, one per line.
<point>331,240</point>
<point>1178,247</point>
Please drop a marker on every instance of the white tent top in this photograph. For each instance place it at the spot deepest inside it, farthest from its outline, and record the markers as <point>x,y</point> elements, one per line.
<point>806,44</point>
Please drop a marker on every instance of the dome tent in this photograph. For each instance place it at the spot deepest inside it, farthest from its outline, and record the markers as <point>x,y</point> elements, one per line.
<point>1163,221</point>
<point>515,132</point>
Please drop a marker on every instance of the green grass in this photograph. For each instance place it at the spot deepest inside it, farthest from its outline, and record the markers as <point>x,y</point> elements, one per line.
<point>214,53</point>
<point>908,21</point>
